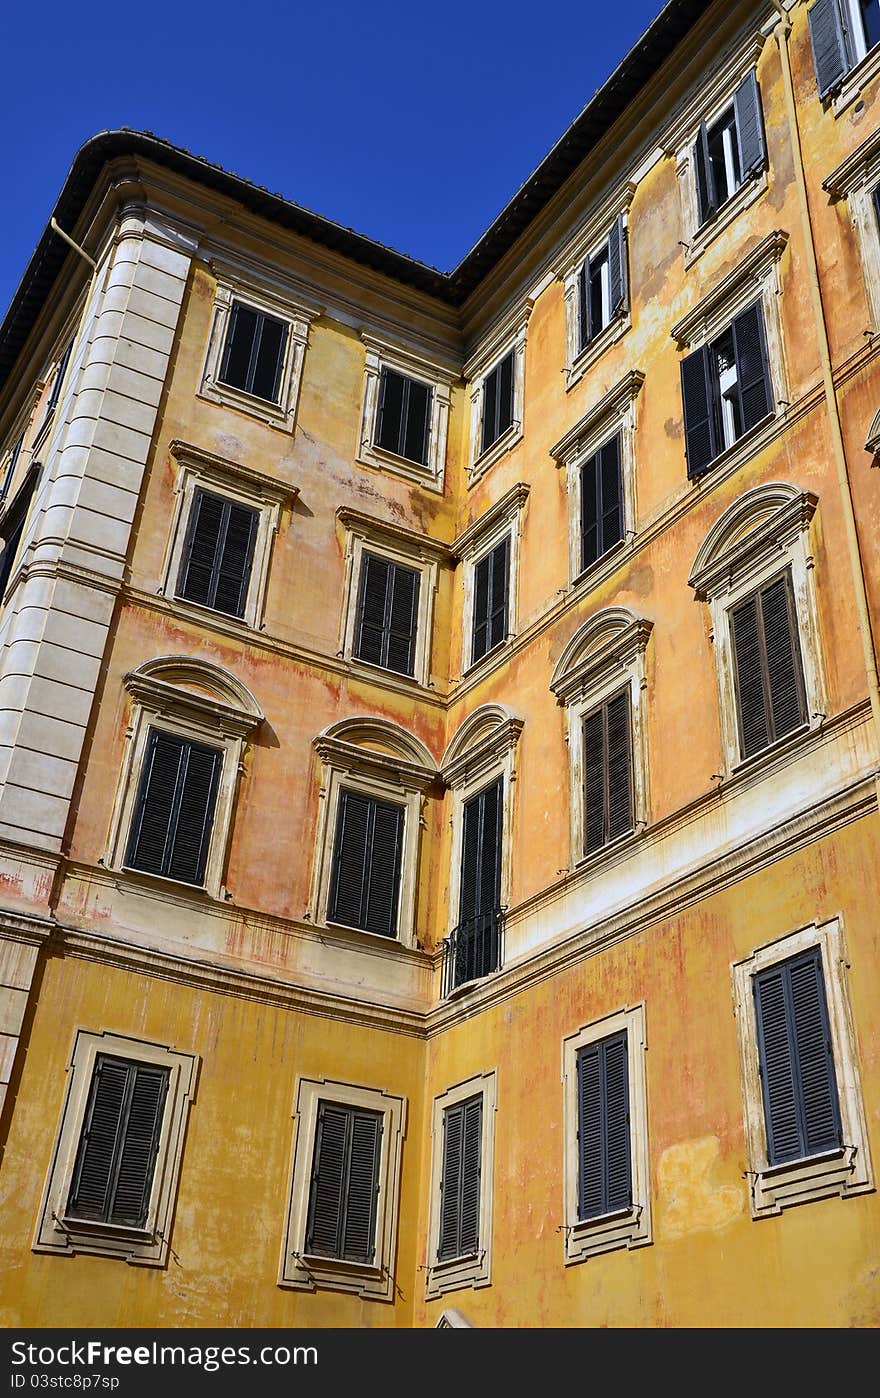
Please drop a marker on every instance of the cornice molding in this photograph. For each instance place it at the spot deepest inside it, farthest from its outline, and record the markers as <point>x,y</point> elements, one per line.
<point>208,463</point>
<point>756,266</point>
<point>857,169</point>
<point>779,512</point>
<point>507,508</point>
<point>609,406</point>
<point>606,641</point>
<point>370,527</point>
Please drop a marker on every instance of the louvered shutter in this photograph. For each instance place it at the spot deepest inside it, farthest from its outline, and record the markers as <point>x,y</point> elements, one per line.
<point>324,1226</point>
<point>585,329</point>
<point>490,409</point>
<point>387,614</point>
<point>175,808</point>
<point>365,878</point>
<point>754,728</point>
<point>389,419</point>
<point>460,1179</point>
<point>414,445</point>
<point>402,620</point>
<point>116,1157</point>
<point>830,56</point>
<point>604,1157</point>
<point>345,1182</point>
<point>749,126</point>
<point>372,602</point>
<point>491,588</point>
<point>233,567</point>
<point>469,901</point>
<point>237,351</point>
<point>58,381</point>
<point>253,354</point>
<point>218,553</point>
<point>617,278</point>
<point>480,887</point>
<point>798,1081</point>
<point>450,1182</point>
<point>608,792</point>
<point>505,394</point>
<point>191,830</point>
<point>707,200</point>
<point>594,781</point>
<point>359,1237</point>
<point>497,401</point>
<point>383,870</point>
<point>876,197</point>
<point>784,675</point>
<point>471,1153</point>
<point>700,432</point>
<point>601,503</point>
<point>752,366</point>
<point>482,594</point>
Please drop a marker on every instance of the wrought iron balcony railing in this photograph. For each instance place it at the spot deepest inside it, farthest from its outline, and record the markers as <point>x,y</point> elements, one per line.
<point>472,949</point>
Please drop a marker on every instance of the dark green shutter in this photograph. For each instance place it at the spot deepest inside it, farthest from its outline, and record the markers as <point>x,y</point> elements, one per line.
<point>798,1081</point>
<point>480,886</point>
<point>617,278</point>
<point>830,56</point>
<point>749,126</point>
<point>218,553</point>
<point>367,855</point>
<point>345,1183</point>
<point>116,1158</point>
<point>700,430</point>
<point>608,782</point>
<point>601,503</point>
<point>460,1180</point>
<point>174,811</point>
<point>491,590</point>
<point>768,671</point>
<point>752,366</point>
<point>604,1156</point>
<point>387,617</point>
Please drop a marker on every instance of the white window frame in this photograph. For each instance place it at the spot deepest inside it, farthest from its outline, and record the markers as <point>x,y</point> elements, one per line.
<point>505,518</point>
<point>605,656</point>
<point>734,561</point>
<point>202,470</point>
<point>755,278</point>
<point>630,1227</point>
<point>509,335</point>
<point>482,750</point>
<point>380,354</point>
<point>474,1271</point>
<point>56,1231</point>
<point>351,760</point>
<point>614,415</point>
<point>866,67</point>
<point>841,1172</point>
<point>304,1271</point>
<point>419,552</point>
<point>162,696</point>
<point>236,285</point>
<point>855,180</point>
<point>589,241</point>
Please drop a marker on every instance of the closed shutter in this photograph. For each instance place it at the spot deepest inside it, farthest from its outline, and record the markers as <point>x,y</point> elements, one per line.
<point>58,381</point>
<point>345,1183</point>
<point>707,199</point>
<point>387,614</point>
<point>604,1156</point>
<point>403,416</point>
<point>365,879</point>
<point>798,1081</point>
<point>768,671</point>
<point>830,56</point>
<point>491,589</point>
<point>617,278</point>
<point>174,812</point>
<point>752,366</point>
<point>116,1157</point>
<point>460,1179</point>
<point>749,126</point>
<point>218,552</point>
<point>876,198</point>
<point>480,887</point>
<point>497,401</point>
<point>700,430</point>
<point>601,503</point>
<point>608,792</point>
<point>253,354</point>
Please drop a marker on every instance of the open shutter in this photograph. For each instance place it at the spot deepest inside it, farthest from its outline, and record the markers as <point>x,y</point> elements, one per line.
<point>389,419</point>
<point>505,393</point>
<point>490,409</point>
<point>617,279</point>
<point>619,765</point>
<point>324,1226</point>
<point>402,620</point>
<point>876,198</point>
<point>752,366</point>
<point>754,727</point>
<point>585,331</point>
<point>194,815</point>
<point>140,1145</point>
<point>414,444</point>
<point>700,433</point>
<point>784,675</point>
<point>471,1152</point>
<point>829,45</point>
<point>359,1233</point>
<point>706,198</point>
<point>264,379</point>
<point>749,126</point>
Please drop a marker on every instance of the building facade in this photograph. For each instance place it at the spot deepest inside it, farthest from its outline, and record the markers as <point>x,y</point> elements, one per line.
<point>440,728</point>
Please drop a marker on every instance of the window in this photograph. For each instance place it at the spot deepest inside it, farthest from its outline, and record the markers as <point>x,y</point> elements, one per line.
<point>857,180</point>
<point>843,32</point>
<point>174,813</point>
<point>595,276</point>
<point>172,816</point>
<point>375,778</point>
<point>769,678</point>
<point>406,413</point>
<point>256,350</point>
<point>9,467</point>
<point>367,850</point>
<point>463,1147</point>
<point>602,285</point>
<point>58,380</point>
<point>607,728</point>
<point>12,526</point>
<point>755,570</point>
<point>220,544</point>
<point>730,149</point>
<point>804,1115</point>
<point>497,376</point>
<point>115,1167</point>
<point>606,1138</point>
<point>391,578</point>
<point>489,551</point>
<point>726,390</point>
<point>341,1226</point>
<point>597,454</point>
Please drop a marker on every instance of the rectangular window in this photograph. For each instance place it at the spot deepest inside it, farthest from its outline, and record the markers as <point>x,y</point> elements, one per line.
<point>843,32</point>
<point>174,813</point>
<point>13,526</point>
<point>491,586</point>
<point>344,1183</point>
<point>608,784</point>
<point>726,389</point>
<point>9,470</point>
<point>475,944</point>
<point>253,355</point>
<point>604,1167</point>
<point>601,503</point>
<point>602,285</point>
<point>730,149</point>
<point>387,614</point>
<point>460,1180</point>
<point>497,401</point>
<point>58,380</point>
<point>365,878</point>
<point>403,416</point>
<point>768,677</point>
<point>218,553</point>
<point>798,1082</point>
<point>116,1157</point>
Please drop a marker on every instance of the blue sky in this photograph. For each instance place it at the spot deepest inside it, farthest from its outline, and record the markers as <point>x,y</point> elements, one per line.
<point>413,124</point>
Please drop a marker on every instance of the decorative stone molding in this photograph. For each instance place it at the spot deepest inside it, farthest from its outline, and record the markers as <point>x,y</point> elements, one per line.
<point>474,1270</point>
<point>757,274</point>
<point>381,354</point>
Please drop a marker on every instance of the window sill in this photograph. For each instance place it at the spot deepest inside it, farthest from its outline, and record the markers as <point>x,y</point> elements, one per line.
<point>587,1238</point>
<point>202,608</point>
<point>370,668</point>
<point>745,196</point>
<point>856,80</point>
<point>503,444</point>
<point>605,563</point>
<point>777,1187</point>
<point>746,765</point>
<point>336,1273</point>
<point>382,460</point>
<point>595,857</point>
<point>212,391</point>
<point>586,357</point>
<point>472,1269</point>
<point>740,450</point>
<point>472,669</point>
<point>362,931</point>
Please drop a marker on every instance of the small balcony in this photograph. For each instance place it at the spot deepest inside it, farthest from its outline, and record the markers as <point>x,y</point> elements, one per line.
<point>472,949</point>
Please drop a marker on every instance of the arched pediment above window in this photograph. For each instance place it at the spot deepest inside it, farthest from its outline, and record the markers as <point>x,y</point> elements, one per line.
<point>378,743</point>
<point>763,521</point>
<point>186,683</point>
<point>610,639</point>
<point>480,740</point>
<point>872,441</point>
